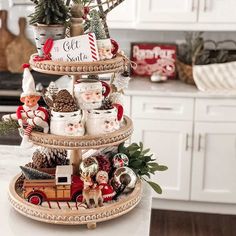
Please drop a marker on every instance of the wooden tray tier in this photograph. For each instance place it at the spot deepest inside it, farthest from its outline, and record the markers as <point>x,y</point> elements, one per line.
<point>73,216</point>
<point>116,64</point>
<point>84,142</point>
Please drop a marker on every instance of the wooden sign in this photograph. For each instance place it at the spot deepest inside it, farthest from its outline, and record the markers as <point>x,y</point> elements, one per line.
<point>153,58</point>
<point>79,48</point>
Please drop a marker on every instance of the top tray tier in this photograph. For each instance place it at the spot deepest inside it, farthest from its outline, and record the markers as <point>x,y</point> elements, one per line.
<point>116,64</point>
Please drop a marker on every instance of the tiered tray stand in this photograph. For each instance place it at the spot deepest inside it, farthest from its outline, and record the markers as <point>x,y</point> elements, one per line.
<point>77,145</point>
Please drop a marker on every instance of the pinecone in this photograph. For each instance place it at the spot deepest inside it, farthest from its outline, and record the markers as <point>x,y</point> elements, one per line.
<point>39,160</point>
<point>104,163</point>
<point>64,102</point>
<point>20,182</point>
<point>106,104</point>
<point>31,165</point>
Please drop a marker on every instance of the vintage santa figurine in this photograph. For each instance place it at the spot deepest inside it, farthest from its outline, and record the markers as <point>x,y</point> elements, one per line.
<point>107,190</point>
<point>30,114</point>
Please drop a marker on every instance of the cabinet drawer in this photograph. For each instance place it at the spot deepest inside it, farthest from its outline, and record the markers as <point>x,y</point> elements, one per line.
<point>162,108</point>
<point>215,110</point>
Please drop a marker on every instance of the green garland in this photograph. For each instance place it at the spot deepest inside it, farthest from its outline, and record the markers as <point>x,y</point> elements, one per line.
<point>8,127</point>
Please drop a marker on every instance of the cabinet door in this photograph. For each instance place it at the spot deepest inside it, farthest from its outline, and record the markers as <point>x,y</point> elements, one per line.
<point>170,142</point>
<point>217,11</point>
<point>214,162</point>
<point>123,16</point>
<point>167,11</point>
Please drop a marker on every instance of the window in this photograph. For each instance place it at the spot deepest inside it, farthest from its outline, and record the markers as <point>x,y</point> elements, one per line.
<point>62,180</point>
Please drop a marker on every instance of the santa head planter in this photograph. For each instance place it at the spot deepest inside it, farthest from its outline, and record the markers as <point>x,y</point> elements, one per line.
<point>107,191</point>
<point>30,114</point>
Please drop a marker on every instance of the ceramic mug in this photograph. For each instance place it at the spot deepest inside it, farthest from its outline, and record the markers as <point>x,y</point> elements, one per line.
<point>67,123</point>
<point>107,48</point>
<point>90,93</point>
<point>104,121</point>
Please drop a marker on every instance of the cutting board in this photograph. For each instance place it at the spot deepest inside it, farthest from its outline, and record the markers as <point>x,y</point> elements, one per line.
<point>19,50</point>
<point>6,37</point>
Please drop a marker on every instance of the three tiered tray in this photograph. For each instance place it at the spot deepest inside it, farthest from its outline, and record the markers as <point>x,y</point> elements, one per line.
<point>71,214</point>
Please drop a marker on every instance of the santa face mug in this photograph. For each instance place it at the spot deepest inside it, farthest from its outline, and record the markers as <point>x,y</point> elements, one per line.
<point>90,93</point>
<point>67,123</point>
<point>107,48</point>
<point>104,121</point>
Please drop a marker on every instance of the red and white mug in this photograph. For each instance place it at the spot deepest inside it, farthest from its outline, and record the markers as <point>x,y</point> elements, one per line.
<point>107,48</point>
<point>104,121</point>
<point>90,93</point>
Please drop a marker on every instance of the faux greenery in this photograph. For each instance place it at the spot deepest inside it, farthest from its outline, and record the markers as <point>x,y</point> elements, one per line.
<point>187,51</point>
<point>96,25</point>
<point>8,127</point>
<point>141,162</point>
<point>50,12</point>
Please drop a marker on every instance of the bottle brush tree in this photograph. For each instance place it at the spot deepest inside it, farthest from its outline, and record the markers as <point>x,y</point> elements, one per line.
<point>50,12</point>
<point>96,25</point>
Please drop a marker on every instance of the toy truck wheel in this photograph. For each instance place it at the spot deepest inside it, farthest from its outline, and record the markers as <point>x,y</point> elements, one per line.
<point>78,197</point>
<point>35,199</point>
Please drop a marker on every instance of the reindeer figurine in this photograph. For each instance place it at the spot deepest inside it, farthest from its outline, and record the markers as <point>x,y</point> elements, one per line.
<point>91,191</point>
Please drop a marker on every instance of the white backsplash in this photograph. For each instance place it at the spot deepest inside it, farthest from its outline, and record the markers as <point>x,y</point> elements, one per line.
<point>123,36</point>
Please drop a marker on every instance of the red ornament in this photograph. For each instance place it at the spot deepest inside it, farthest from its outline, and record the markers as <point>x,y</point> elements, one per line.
<point>104,163</point>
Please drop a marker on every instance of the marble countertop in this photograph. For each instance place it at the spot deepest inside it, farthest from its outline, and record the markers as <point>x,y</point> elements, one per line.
<point>171,88</point>
<point>135,223</point>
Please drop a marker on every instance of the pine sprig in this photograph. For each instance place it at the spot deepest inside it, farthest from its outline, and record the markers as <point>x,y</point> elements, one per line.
<point>8,127</point>
<point>142,163</point>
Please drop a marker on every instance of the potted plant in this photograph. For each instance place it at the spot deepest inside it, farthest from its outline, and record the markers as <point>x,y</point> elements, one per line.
<point>49,20</point>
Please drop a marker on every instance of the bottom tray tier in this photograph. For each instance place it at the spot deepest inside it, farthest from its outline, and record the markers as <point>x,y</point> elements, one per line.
<point>68,213</point>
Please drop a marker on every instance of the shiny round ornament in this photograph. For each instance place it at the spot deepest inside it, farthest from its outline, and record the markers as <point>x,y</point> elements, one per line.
<point>89,166</point>
<point>125,176</point>
<point>120,160</point>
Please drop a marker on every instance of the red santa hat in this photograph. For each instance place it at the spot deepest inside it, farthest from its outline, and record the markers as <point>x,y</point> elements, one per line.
<point>28,84</point>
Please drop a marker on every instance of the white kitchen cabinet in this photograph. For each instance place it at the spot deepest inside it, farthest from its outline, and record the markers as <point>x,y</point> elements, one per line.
<point>214,162</point>
<point>170,142</point>
<point>123,16</point>
<point>160,11</point>
<point>217,11</point>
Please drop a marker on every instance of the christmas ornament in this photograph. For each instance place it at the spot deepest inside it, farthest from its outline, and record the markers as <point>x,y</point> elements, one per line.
<point>89,166</point>
<point>30,114</point>
<point>120,160</point>
<point>126,177</point>
<point>31,173</point>
<point>107,190</point>
<point>104,163</point>
<point>64,102</point>
<point>121,81</point>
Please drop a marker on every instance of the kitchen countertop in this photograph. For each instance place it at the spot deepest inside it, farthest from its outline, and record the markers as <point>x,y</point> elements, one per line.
<point>171,88</point>
<point>135,223</point>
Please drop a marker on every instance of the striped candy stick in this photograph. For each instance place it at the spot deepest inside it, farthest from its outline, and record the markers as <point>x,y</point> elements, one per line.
<point>92,44</point>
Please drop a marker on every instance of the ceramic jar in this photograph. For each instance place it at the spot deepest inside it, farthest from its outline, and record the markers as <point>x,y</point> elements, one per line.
<point>107,48</point>
<point>90,93</point>
<point>67,123</point>
<point>104,121</point>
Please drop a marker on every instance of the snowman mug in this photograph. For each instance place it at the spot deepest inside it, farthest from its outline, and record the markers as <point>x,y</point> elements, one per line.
<point>90,93</point>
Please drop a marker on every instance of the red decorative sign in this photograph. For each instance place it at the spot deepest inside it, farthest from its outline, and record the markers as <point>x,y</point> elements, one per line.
<point>153,57</point>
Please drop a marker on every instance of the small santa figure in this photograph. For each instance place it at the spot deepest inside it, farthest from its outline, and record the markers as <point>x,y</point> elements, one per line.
<point>107,191</point>
<point>30,114</point>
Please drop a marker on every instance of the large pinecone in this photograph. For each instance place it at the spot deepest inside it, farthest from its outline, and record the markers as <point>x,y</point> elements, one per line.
<point>48,158</point>
<point>64,102</point>
<point>106,104</point>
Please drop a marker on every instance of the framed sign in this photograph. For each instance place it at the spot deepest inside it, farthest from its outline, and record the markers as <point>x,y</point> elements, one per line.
<point>154,57</point>
<point>79,48</point>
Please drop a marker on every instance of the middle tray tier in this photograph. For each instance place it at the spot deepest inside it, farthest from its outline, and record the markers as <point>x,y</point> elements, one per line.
<point>84,142</point>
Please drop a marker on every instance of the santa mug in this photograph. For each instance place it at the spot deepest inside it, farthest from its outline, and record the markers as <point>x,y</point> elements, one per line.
<point>104,121</point>
<point>67,123</point>
<point>90,93</point>
<point>107,48</point>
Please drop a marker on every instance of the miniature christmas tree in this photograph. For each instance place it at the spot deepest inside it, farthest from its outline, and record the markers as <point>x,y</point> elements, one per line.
<point>50,12</point>
<point>96,25</point>
<point>31,173</point>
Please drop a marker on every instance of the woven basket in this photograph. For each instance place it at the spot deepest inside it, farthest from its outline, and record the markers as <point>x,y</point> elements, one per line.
<point>185,72</point>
